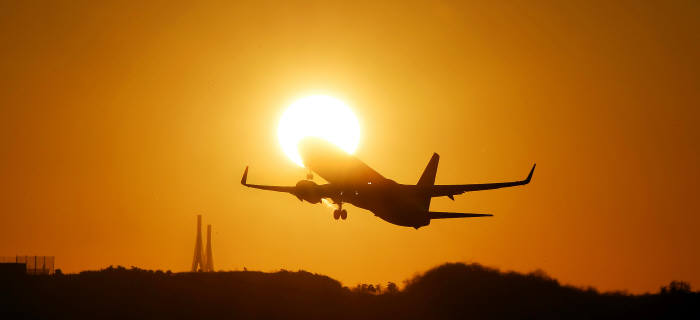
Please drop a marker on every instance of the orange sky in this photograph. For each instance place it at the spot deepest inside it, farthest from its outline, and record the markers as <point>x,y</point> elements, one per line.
<point>121,122</point>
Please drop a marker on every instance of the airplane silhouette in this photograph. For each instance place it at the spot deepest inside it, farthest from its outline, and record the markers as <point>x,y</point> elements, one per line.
<point>352,181</point>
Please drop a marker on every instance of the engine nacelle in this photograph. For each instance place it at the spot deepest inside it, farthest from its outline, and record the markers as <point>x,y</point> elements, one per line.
<point>308,190</point>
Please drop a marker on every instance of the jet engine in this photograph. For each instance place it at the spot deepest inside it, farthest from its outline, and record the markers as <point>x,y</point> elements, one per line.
<point>308,190</point>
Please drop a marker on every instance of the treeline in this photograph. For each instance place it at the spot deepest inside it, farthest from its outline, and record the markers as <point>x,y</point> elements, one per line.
<point>449,291</point>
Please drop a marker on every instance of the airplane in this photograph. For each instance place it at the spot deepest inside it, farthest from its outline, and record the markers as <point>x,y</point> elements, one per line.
<point>352,181</point>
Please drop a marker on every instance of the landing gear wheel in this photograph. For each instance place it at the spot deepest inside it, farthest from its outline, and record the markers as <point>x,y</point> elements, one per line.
<point>336,214</point>
<point>343,214</point>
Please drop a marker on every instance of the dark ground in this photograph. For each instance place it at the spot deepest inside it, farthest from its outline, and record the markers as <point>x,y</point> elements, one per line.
<point>448,291</point>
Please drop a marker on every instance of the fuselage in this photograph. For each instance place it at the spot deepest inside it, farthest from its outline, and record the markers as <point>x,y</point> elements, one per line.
<point>393,202</point>
<point>352,181</point>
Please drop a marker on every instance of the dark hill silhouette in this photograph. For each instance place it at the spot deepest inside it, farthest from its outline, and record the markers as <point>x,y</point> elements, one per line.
<point>448,291</point>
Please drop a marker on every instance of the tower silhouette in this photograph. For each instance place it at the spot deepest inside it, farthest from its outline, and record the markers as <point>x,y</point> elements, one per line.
<point>197,262</point>
<point>209,258</point>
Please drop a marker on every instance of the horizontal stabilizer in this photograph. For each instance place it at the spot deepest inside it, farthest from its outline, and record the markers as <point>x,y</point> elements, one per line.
<point>448,215</point>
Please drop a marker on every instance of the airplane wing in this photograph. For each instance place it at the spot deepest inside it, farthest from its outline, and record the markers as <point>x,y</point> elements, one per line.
<point>289,189</point>
<point>448,215</point>
<point>335,165</point>
<point>452,190</point>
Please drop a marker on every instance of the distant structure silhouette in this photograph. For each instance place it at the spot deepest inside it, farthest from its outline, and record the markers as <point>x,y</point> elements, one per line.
<point>209,258</point>
<point>203,262</point>
<point>31,264</point>
<point>197,262</point>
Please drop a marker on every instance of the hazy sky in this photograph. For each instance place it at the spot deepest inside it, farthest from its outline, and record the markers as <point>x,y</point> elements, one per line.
<point>120,122</point>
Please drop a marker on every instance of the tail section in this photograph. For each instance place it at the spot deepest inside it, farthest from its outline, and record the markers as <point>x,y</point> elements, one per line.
<point>449,215</point>
<point>428,176</point>
<point>427,180</point>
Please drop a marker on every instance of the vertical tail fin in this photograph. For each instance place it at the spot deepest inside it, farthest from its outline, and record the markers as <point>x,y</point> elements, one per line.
<point>428,176</point>
<point>427,180</point>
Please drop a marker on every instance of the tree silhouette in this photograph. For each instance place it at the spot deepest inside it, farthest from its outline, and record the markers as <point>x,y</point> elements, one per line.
<point>445,292</point>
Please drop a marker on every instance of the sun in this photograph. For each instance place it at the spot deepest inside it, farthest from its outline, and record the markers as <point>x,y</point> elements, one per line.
<point>318,116</point>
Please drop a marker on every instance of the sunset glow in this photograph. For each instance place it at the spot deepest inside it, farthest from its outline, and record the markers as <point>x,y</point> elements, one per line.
<point>121,121</point>
<point>318,116</point>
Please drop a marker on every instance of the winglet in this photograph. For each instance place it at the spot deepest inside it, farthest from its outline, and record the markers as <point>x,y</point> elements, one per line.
<point>245,176</point>
<point>529,176</point>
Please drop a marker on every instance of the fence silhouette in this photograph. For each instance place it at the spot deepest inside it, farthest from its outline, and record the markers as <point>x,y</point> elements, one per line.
<point>35,264</point>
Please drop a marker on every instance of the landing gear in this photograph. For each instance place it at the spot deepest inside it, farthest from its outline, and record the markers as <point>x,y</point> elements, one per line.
<point>340,213</point>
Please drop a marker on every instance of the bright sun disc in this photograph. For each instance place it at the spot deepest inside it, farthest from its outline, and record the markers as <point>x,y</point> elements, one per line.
<point>318,116</point>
